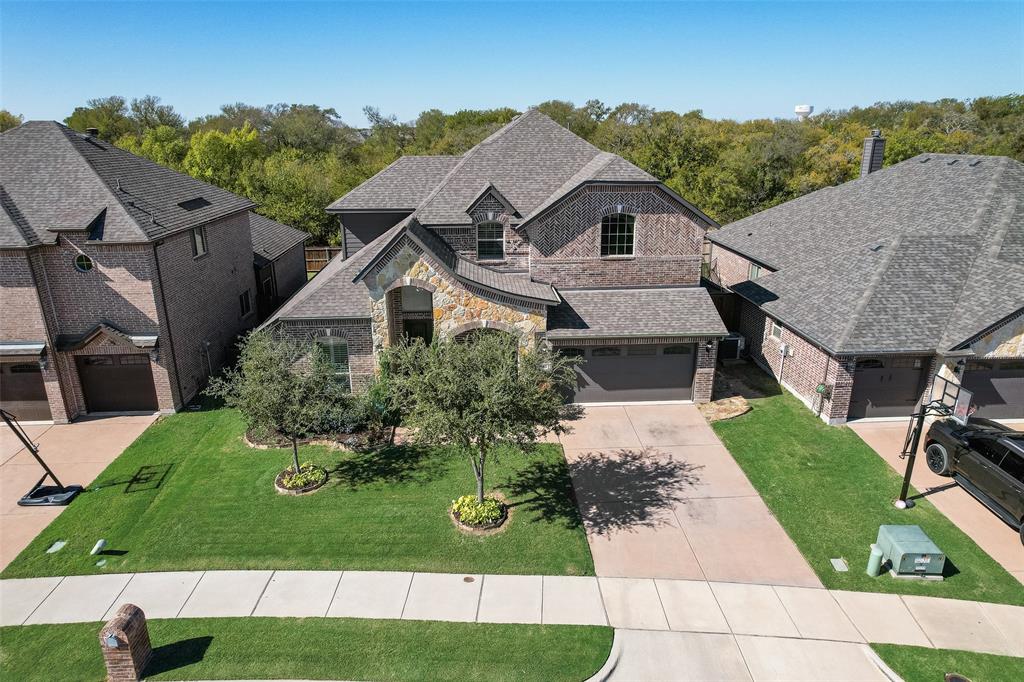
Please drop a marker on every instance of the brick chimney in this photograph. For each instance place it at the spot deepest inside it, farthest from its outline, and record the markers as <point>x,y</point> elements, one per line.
<point>874,150</point>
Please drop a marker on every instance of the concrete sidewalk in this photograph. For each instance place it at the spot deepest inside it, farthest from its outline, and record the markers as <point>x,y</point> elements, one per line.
<point>661,497</point>
<point>77,453</point>
<point>640,604</point>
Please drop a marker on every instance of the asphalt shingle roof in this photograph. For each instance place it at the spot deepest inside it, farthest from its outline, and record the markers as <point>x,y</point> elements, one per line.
<point>271,239</point>
<point>402,185</point>
<point>611,313</point>
<point>919,256</point>
<point>57,179</point>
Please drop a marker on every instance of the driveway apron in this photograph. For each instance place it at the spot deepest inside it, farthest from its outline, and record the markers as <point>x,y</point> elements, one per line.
<point>661,497</point>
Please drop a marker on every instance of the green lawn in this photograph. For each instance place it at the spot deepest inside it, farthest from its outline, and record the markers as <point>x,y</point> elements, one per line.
<point>335,649</point>
<point>831,492</point>
<point>209,503</point>
<point>917,664</point>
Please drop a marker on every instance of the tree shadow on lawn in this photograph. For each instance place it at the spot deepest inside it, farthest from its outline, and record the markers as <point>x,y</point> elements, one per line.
<point>391,464</point>
<point>620,490</point>
<point>178,655</point>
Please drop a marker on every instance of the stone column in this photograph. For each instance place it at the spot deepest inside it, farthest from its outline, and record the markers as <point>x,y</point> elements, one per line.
<point>125,644</point>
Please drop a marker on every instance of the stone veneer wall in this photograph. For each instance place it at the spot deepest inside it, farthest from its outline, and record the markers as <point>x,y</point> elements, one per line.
<point>457,307</point>
<point>565,242</point>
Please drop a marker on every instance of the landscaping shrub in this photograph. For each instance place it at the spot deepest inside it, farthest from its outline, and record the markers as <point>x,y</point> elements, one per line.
<point>473,513</point>
<point>309,474</point>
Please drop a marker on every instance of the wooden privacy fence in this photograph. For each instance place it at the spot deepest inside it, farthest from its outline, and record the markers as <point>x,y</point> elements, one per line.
<point>317,257</point>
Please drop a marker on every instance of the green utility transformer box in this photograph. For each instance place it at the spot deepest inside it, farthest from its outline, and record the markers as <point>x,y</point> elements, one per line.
<point>910,552</point>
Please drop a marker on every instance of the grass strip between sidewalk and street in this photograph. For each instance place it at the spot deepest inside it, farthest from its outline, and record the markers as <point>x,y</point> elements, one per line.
<point>831,492</point>
<point>316,648</point>
<point>919,664</point>
<point>190,495</point>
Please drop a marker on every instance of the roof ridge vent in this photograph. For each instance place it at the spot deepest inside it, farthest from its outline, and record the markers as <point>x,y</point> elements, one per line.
<point>950,163</point>
<point>974,163</point>
<point>926,159</point>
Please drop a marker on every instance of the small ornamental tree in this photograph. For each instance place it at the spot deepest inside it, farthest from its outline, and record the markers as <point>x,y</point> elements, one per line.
<point>283,387</point>
<point>480,393</point>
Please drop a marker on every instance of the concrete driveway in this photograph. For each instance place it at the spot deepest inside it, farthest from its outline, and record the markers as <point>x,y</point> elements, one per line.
<point>1001,542</point>
<point>76,452</point>
<point>661,497</point>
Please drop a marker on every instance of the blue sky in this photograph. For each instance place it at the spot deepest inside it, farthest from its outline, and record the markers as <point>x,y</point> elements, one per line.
<point>730,59</point>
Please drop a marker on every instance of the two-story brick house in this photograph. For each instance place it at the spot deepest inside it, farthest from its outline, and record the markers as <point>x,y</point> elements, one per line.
<point>855,296</point>
<point>536,233</point>
<point>123,284</point>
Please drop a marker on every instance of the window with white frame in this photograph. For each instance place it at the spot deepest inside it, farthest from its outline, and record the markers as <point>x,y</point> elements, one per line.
<point>337,355</point>
<point>490,241</point>
<point>199,242</point>
<point>776,330</point>
<point>754,271</point>
<point>617,233</point>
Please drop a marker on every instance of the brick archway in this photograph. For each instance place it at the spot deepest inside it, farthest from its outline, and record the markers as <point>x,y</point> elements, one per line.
<point>411,282</point>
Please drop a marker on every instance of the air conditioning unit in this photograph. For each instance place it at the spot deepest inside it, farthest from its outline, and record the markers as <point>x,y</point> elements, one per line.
<point>731,347</point>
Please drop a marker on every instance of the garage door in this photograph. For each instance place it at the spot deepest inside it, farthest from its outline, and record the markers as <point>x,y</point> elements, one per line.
<point>22,392</point>
<point>117,383</point>
<point>887,386</point>
<point>634,373</point>
<point>998,387</point>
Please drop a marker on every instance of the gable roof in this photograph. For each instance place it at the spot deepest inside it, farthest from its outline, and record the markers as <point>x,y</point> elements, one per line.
<point>56,179</point>
<point>402,185</point>
<point>533,160</point>
<point>919,256</point>
<point>271,239</point>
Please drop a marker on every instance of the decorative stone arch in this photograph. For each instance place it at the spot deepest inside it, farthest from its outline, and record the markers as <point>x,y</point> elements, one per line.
<point>411,282</point>
<point>496,325</point>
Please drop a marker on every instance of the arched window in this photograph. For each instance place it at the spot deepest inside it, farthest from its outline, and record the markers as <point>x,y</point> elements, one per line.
<point>490,241</point>
<point>337,354</point>
<point>617,234</point>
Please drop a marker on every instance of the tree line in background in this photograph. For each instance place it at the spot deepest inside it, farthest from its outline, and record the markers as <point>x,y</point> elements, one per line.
<point>295,159</point>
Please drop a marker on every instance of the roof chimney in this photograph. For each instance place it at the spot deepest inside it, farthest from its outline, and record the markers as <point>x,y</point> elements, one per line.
<point>92,132</point>
<point>874,150</point>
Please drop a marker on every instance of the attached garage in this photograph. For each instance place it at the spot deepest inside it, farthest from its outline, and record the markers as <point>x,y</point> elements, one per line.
<point>887,386</point>
<point>117,383</point>
<point>998,387</point>
<point>638,372</point>
<point>22,391</point>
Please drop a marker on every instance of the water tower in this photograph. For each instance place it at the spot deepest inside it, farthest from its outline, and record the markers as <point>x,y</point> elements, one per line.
<point>802,111</point>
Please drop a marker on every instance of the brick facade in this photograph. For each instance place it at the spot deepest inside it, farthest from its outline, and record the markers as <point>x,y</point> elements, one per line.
<point>565,241</point>
<point>125,644</point>
<point>729,268</point>
<point>804,367</point>
<point>159,289</point>
<point>357,335</point>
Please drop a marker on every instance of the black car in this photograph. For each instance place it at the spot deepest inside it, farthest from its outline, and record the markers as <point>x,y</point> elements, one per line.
<point>986,459</point>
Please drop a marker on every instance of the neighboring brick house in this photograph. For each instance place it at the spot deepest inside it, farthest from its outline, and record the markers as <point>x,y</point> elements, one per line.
<point>280,260</point>
<point>872,287</point>
<point>534,232</point>
<point>123,284</point>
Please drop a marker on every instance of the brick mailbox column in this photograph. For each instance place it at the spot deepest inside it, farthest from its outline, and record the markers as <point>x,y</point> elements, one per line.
<point>125,644</point>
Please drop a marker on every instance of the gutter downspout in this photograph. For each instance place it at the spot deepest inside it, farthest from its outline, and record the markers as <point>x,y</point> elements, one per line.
<point>163,304</point>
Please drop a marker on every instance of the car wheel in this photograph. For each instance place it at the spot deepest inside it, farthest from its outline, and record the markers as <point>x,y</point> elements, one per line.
<point>938,459</point>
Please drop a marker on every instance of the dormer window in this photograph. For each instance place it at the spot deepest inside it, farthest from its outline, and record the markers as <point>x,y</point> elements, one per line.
<point>490,241</point>
<point>617,234</point>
